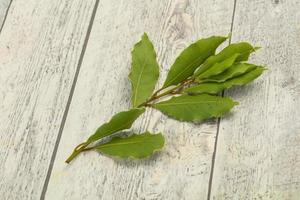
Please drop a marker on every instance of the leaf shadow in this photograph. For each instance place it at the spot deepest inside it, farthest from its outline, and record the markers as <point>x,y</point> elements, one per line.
<point>129,162</point>
<point>240,91</point>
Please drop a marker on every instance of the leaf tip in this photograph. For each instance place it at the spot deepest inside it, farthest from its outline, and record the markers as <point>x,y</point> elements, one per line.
<point>235,103</point>
<point>264,67</point>
<point>145,36</point>
<point>256,48</point>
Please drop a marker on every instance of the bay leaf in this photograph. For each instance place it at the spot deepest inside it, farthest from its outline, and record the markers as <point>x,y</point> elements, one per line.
<point>118,122</point>
<point>195,108</point>
<point>144,71</point>
<point>214,87</point>
<point>191,58</point>
<point>218,67</point>
<point>235,70</point>
<point>135,146</point>
<point>244,50</point>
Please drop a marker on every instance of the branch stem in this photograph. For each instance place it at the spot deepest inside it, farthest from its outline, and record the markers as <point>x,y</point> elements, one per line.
<point>155,95</point>
<point>175,90</point>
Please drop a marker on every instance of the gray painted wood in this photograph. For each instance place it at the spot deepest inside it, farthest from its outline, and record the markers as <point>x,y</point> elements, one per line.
<point>40,45</point>
<point>182,169</point>
<point>258,152</point>
<point>3,8</point>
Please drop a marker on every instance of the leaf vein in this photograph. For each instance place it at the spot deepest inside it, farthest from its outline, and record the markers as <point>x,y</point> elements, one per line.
<point>138,83</point>
<point>186,103</point>
<point>121,143</point>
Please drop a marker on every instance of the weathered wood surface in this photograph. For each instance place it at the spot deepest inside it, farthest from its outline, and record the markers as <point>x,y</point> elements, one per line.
<point>258,151</point>
<point>182,170</point>
<point>4,4</point>
<point>40,45</point>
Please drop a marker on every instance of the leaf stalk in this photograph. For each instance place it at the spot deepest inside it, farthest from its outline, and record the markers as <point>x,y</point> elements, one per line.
<point>78,149</point>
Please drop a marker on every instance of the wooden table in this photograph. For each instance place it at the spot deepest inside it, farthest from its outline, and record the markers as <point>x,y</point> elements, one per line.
<point>63,72</point>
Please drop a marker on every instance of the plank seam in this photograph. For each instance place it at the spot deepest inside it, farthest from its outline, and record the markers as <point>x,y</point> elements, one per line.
<point>219,119</point>
<point>65,114</point>
<point>5,16</point>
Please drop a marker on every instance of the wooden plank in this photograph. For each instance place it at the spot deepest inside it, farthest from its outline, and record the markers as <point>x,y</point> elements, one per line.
<point>4,4</point>
<point>182,170</point>
<point>258,151</point>
<point>40,45</point>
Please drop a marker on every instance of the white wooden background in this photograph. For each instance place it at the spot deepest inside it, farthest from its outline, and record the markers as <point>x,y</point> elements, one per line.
<point>63,72</point>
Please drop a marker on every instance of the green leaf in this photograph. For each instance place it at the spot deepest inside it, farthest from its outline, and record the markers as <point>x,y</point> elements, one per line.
<point>118,122</point>
<point>195,108</point>
<point>134,146</point>
<point>218,67</point>
<point>244,49</point>
<point>214,88</point>
<point>235,70</point>
<point>144,71</point>
<point>191,58</point>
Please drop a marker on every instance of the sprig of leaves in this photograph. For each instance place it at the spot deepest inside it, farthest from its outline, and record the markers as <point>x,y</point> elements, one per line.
<point>194,80</point>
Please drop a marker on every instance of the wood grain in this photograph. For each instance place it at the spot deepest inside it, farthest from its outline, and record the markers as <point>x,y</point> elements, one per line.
<point>182,169</point>
<point>40,45</point>
<point>258,152</point>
